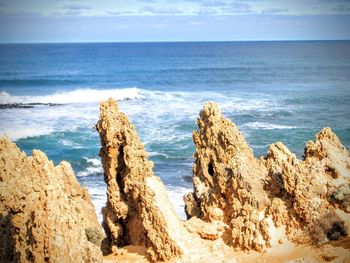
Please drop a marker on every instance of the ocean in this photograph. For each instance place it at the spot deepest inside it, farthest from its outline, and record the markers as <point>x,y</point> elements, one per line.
<point>273,91</point>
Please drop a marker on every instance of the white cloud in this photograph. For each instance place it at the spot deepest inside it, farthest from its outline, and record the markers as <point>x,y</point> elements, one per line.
<point>119,13</point>
<point>213,3</point>
<point>207,11</point>
<point>274,10</point>
<point>77,7</point>
<point>160,10</point>
<point>20,13</point>
<point>157,28</point>
<point>237,8</point>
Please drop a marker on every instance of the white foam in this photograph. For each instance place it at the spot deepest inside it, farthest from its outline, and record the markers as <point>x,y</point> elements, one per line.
<point>70,144</point>
<point>98,198</point>
<point>152,154</point>
<point>75,96</point>
<point>168,111</point>
<point>266,126</point>
<point>94,168</point>
<point>23,123</point>
<point>175,194</point>
<point>90,171</point>
<point>15,134</point>
<point>93,161</point>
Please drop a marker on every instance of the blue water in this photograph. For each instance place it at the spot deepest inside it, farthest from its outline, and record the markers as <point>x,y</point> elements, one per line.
<point>274,91</point>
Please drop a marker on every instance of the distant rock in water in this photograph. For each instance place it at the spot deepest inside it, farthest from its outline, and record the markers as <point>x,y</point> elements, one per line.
<point>45,216</point>
<point>26,105</point>
<point>309,198</point>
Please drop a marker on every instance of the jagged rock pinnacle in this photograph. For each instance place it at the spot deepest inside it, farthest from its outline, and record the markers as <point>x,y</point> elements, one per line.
<point>138,211</point>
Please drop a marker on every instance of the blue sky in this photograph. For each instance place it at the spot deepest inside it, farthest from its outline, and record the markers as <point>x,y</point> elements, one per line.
<point>177,20</point>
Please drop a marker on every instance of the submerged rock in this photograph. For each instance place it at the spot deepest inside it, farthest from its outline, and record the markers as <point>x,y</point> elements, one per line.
<point>45,216</point>
<point>138,211</point>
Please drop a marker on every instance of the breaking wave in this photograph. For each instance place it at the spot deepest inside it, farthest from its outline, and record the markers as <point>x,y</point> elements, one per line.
<point>74,96</point>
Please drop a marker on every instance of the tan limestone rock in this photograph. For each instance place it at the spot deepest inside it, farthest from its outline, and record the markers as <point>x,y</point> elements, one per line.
<point>306,192</point>
<point>238,201</point>
<point>45,215</point>
<point>138,211</point>
<point>228,181</point>
<point>255,197</point>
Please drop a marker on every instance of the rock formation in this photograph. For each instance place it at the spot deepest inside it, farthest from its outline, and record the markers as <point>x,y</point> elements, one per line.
<point>309,198</point>
<point>45,216</point>
<point>238,201</point>
<point>228,182</point>
<point>307,192</point>
<point>138,211</point>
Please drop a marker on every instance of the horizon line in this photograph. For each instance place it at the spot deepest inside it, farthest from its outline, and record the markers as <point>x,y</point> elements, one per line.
<point>167,41</point>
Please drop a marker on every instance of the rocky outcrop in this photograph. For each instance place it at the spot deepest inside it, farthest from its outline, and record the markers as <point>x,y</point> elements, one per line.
<point>306,192</point>
<point>255,197</point>
<point>245,202</point>
<point>138,211</point>
<point>45,216</point>
<point>228,181</point>
<point>238,201</point>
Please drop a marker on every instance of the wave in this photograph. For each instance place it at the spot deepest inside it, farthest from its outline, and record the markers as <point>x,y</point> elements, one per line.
<point>90,171</point>
<point>93,161</point>
<point>175,194</point>
<point>70,144</point>
<point>15,134</point>
<point>94,168</point>
<point>98,197</point>
<point>266,126</point>
<point>158,154</point>
<point>174,100</point>
<point>75,96</point>
<point>172,112</point>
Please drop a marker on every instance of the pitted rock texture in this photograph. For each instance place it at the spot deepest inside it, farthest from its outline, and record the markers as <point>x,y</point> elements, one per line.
<point>138,211</point>
<point>306,192</point>
<point>254,197</point>
<point>45,216</point>
<point>228,181</point>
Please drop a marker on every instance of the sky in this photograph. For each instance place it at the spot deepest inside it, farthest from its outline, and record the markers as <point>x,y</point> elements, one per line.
<point>177,20</point>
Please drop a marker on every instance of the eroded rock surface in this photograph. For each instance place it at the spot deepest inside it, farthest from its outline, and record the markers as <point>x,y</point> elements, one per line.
<point>238,201</point>
<point>45,216</point>
<point>138,211</point>
<point>307,192</point>
<point>228,181</point>
<point>255,197</point>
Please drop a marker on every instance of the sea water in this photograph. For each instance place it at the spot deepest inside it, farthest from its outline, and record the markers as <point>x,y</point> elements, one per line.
<point>273,91</point>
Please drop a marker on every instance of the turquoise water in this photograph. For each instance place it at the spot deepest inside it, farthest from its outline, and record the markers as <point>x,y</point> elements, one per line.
<point>274,91</point>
